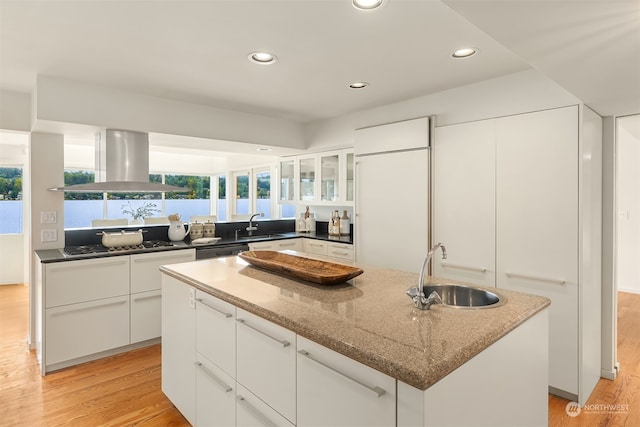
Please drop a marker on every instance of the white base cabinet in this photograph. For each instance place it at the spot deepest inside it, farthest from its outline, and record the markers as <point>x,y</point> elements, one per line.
<point>215,395</point>
<point>334,390</point>
<point>277,245</point>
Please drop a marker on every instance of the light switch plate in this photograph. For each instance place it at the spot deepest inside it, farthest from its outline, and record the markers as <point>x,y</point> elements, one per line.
<point>48,235</point>
<point>48,217</point>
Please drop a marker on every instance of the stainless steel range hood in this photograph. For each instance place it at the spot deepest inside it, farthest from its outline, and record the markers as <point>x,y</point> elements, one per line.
<point>122,166</point>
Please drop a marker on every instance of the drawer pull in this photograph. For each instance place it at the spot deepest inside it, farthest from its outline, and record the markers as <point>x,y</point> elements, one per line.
<point>93,307</point>
<point>464,267</point>
<point>227,388</point>
<point>284,343</point>
<point>287,244</point>
<point>147,297</point>
<point>249,407</point>
<point>158,258</point>
<point>377,390</point>
<point>539,279</point>
<point>76,266</point>
<point>340,252</point>
<point>225,314</point>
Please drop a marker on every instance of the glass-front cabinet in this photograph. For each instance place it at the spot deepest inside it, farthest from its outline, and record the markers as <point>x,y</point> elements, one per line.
<point>325,178</point>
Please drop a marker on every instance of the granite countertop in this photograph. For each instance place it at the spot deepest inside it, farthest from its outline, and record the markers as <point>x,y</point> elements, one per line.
<point>56,255</point>
<point>369,319</point>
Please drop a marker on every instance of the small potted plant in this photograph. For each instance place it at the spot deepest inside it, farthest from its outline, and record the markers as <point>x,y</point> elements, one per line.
<point>138,214</point>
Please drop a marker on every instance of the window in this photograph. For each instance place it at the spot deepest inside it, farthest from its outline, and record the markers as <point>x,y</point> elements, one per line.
<point>263,192</point>
<point>10,200</point>
<point>194,203</point>
<point>221,197</point>
<point>241,191</point>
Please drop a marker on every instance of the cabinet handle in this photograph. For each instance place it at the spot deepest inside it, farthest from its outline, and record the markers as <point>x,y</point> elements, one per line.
<point>464,267</point>
<point>147,297</point>
<point>340,252</point>
<point>261,247</point>
<point>287,244</point>
<point>539,279</point>
<point>73,310</point>
<point>259,415</point>
<point>156,258</point>
<point>214,377</point>
<point>284,343</point>
<point>377,390</point>
<point>225,314</point>
<point>68,267</point>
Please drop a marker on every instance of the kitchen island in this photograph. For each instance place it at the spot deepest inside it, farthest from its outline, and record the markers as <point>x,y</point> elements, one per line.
<point>443,366</point>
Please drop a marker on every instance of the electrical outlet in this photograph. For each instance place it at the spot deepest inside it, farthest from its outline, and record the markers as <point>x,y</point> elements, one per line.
<point>48,217</point>
<point>48,235</point>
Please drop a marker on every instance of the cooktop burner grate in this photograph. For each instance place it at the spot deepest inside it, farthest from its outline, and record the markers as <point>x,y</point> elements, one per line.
<point>99,249</point>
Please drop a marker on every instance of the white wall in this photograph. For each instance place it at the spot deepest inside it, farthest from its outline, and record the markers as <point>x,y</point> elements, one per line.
<point>15,111</point>
<point>628,210</point>
<point>515,93</point>
<point>58,100</point>
<point>11,259</point>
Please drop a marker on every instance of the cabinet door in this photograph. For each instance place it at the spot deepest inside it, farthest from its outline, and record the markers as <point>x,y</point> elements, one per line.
<point>215,395</point>
<point>179,346</point>
<point>537,224</point>
<point>86,328</point>
<point>330,176</point>
<point>464,201</point>
<point>145,268</point>
<point>335,390</point>
<point>216,331</point>
<point>85,280</point>
<point>307,178</point>
<point>253,412</point>
<point>266,362</point>
<point>146,315</point>
<point>287,179</point>
<point>313,246</point>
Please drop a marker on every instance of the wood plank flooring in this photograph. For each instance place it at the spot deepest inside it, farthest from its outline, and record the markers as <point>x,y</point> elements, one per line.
<point>121,390</point>
<point>124,390</point>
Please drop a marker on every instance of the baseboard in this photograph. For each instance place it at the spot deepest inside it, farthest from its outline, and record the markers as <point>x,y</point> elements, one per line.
<point>609,375</point>
<point>563,394</point>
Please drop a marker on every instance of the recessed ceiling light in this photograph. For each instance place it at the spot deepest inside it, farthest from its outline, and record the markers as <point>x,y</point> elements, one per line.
<point>358,85</point>
<point>367,4</point>
<point>464,52</point>
<point>262,57</point>
<point>263,149</point>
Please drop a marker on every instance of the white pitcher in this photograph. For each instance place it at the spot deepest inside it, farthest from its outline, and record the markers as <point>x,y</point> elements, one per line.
<point>176,231</point>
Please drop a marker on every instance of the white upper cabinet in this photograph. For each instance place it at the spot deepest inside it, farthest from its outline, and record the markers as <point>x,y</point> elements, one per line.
<point>317,179</point>
<point>464,201</point>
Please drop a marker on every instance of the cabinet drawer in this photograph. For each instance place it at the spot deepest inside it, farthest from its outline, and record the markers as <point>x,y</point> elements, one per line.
<point>146,315</point>
<point>262,246</point>
<point>266,362</point>
<point>289,244</point>
<point>145,268</point>
<point>340,250</point>
<point>251,411</point>
<point>315,246</point>
<point>215,395</point>
<point>216,331</point>
<point>82,329</point>
<point>351,393</point>
<point>85,280</point>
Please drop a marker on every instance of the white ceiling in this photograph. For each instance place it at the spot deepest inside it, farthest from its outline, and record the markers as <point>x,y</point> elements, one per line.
<point>196,51</point>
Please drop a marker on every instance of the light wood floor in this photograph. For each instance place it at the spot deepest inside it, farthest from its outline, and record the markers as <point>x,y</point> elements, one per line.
<point>124,390</point>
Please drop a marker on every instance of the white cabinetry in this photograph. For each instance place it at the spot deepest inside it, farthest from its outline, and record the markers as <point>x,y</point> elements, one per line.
<point>277,245</point>
<point>313,246</point>
<point>252,411</point>
<point>266,362</point>
<point>340,250</point>
<point>351,393</point>
<point>86,308</point>
<point>464,201</point>
<point>215,395</point>
<point>537,162</point>
<point>179,345</point>
<point>145,300</point>
<point>325,178</point>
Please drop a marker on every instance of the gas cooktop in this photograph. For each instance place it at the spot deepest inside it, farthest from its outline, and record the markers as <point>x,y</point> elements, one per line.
<point>95,249</point>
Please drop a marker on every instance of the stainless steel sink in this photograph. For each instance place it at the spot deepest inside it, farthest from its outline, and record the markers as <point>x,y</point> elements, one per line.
<point>459,296</point>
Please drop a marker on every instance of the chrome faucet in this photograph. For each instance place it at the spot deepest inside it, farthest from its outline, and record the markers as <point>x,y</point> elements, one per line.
<point>417,293</point>
<point>251,228</point>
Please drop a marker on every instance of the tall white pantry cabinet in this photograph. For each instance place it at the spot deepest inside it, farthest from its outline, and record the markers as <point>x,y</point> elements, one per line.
<point>517,201</point>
